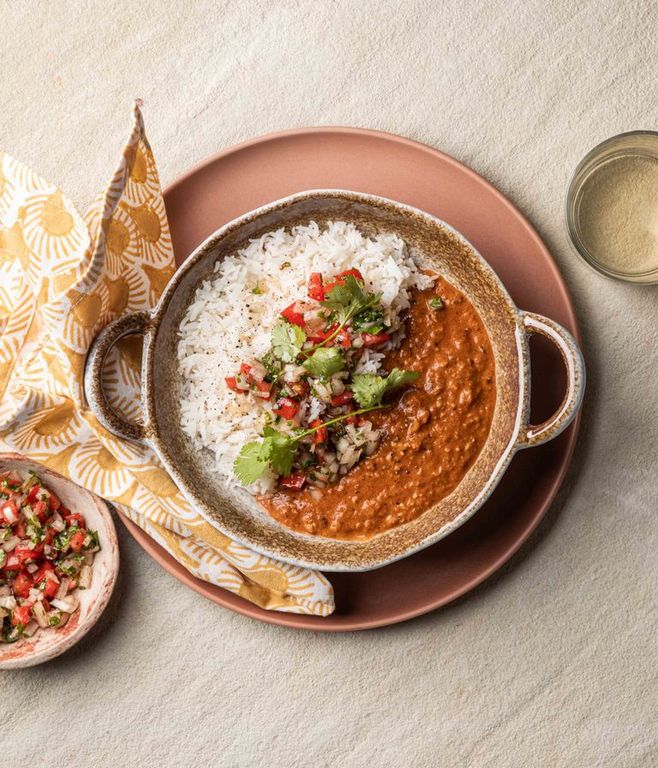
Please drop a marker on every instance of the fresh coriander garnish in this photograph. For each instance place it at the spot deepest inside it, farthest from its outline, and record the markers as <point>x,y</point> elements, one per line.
<point>251,463</point>
<point>324,362</point>
<point>345,301</point>
<point>287,341</point>
<point>435,302</point>
<point>369,389</point>
<point>257,291</point>
<point>370,320</point>
<point>278,449</point>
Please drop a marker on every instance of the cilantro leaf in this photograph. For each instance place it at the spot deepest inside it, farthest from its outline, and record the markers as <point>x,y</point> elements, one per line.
<point>348,299</point>
<point>287,341</point>
<point>436,302</point>
<point>369,389</point>
<point>280,449</point>
<point>250,464</point>
<point>324,362</point>
<point>398,378</point>
<point>276,450</point>
<point>370,320</point>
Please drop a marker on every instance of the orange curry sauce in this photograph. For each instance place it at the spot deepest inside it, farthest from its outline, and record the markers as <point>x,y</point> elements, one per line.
<point>430,437</point>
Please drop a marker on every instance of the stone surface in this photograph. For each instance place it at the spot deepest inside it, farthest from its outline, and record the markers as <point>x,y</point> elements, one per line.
<point>552,662</point>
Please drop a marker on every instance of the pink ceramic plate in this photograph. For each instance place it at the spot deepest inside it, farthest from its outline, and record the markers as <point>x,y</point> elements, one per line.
<point>48,643</point>
<point>247,176</point>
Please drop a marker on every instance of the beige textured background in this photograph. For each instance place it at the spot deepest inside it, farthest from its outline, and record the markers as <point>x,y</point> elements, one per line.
<point>553,662</point>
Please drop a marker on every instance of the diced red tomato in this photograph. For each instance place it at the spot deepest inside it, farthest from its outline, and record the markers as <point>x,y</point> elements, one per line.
<point>41,579</point>
<point>320,336</point>
<point>343,399</point>
<point>50,589</point>
<point>232,384</point>
<point>77,541</point>
<point>21,615</point>
<point>343,338</point>
<point>40,509</point>
<point>27,555</point>
<point>340,280</point>
<point>75,519</point>
<point>294,482</point>
<point>35,491</point>
<point>245,369</point>
<point>286,407</point>
<point>20,529</point>
<point>9,512</point>
<point>352,420</point>
<point>50,535</point>
<point>13,563</point>
<point>291,314</point>
<point>374,340</point>
<point>315,287</point>
<point>22,584</point>
<point>320,434</point>
<point>54,502</point>
<point>353,272</point>
<point>43,570</point>
<point>264,389</point>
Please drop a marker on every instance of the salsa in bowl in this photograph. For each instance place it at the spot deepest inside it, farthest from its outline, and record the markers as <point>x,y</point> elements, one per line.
<point>58,562</point>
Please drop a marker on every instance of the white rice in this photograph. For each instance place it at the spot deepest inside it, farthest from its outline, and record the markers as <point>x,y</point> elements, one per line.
<point>227,324</point>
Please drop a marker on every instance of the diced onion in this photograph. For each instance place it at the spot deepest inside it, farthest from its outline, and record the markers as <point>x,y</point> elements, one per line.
<point>8,602</point>
<point>31,628</point>
<point>11,515</point>
<point>84,581</point>
<point>40,615</point>
<point>57,522</point>
<point>63,588</point>
<point>67,604</point>
<point>11,544</point>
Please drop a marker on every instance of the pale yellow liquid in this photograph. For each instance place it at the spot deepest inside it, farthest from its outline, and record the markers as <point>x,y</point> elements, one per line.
<point>618,214</point>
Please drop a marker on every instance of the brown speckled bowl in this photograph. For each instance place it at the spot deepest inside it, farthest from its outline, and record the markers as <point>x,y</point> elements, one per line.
<point>48,643</point>
<point>233,510</point>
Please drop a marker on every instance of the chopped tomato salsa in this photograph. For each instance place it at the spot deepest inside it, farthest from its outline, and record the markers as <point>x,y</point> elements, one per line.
<point>46,552</point>
<point>316,383</point>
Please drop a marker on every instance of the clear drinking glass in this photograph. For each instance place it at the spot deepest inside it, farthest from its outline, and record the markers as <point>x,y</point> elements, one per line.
<point>635,144</point>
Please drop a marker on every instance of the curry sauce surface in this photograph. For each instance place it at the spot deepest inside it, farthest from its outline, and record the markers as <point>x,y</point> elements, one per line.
<point>430,437</point>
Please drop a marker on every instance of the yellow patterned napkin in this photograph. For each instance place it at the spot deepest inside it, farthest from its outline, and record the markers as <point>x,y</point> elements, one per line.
<point>63,278</point>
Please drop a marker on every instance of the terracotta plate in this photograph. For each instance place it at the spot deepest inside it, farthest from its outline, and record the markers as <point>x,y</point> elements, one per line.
<point>265,169</point>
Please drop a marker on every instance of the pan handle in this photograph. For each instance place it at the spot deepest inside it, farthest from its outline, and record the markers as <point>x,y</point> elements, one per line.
<point>536,434</point>
<point>134,323</point>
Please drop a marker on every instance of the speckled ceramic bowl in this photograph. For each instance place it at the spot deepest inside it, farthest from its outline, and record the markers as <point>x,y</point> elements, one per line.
<point>233,510</point>
<point>48,643</point>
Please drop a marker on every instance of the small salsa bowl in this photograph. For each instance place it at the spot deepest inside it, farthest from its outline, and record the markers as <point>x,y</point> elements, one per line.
<point>48,643</point>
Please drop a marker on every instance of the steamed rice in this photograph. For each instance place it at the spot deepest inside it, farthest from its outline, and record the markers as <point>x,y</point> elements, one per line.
<point>231,317</point>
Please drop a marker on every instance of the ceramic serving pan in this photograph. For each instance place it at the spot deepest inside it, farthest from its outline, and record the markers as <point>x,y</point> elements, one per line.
<point>233,510</point>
